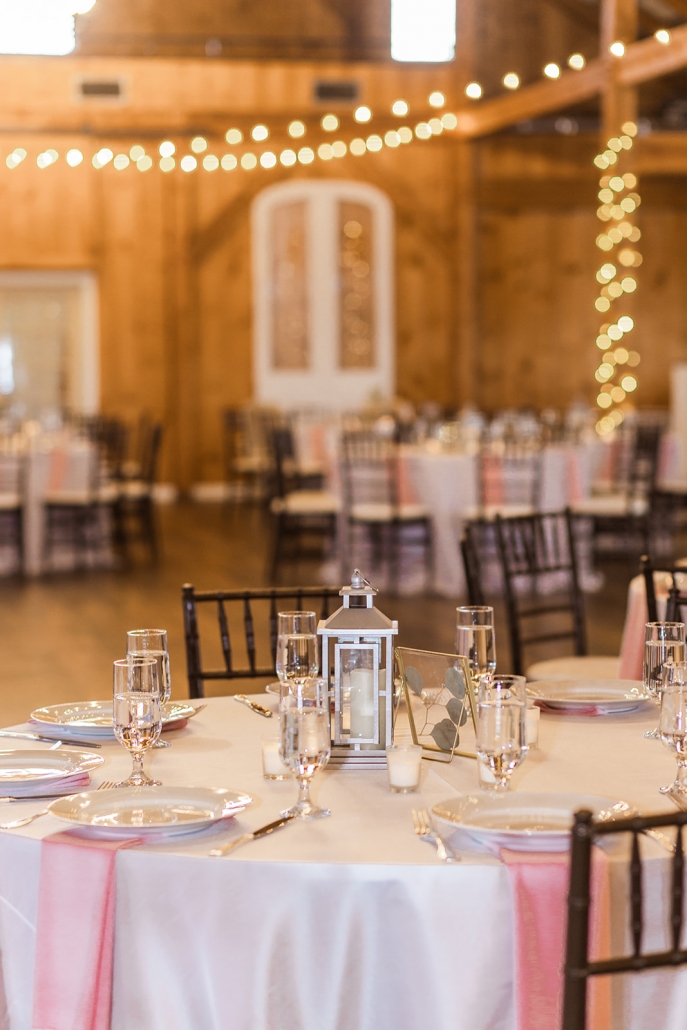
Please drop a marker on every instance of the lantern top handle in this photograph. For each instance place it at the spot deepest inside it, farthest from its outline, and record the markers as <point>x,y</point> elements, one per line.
<point>360,587</point>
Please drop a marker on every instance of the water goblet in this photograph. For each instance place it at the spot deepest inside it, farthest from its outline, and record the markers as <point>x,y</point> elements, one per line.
<point>501,727</point>
<point>296,658</point>
<point>305,747</point>
<point>672,726</point>
<point>136,714</point>
<point>663,642</point>
<point>475,639</point>
<point>152,643</point>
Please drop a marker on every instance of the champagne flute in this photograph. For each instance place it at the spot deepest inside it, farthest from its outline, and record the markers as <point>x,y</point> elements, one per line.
<point>672,726</point>
<point>136,715</point>
<point>501,732</point>
<point>305,747</point>
<point>296,658</point>
<point>152,643</point>
<point>476,641</point>
<point>663,642</point>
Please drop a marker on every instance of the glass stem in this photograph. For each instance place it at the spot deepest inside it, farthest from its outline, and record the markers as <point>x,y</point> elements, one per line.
<point>681,779</point>
<point>138,764</point>
<point>304,790</point>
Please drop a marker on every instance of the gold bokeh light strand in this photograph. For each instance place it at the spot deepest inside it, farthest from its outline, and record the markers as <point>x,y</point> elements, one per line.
<point>616,373</point>
<point>167,158</point>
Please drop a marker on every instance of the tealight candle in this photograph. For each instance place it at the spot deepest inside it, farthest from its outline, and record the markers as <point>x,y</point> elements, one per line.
<point>403,765</point>
<point>273,768</point>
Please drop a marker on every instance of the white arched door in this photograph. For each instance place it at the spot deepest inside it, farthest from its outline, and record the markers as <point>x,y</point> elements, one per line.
<point>323,294</point>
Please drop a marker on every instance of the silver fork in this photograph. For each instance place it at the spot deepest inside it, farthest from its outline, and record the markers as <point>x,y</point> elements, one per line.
<point>424,830</point>
<point>15,824</point>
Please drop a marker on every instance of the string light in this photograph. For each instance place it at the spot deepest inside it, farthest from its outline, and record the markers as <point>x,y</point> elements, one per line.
<point>473,90</point>
<point>663,36</point>
<point>511,80</point>
<point>618,201</point>
<point>617,48</point>
<point>399,108</point>
<point>552,71</point>
<point>576,62</point>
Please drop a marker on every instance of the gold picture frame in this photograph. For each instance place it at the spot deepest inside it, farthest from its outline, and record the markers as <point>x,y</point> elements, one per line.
<point>438,689</point>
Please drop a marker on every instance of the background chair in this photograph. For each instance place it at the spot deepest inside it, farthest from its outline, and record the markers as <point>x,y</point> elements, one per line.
<point>135,510</point>
<point>373,505</point>
<point>538,568</point>
<point>249,616</point>
<point>11,510</point>
<point>305,520</point>
<point>578,966</point>
<point>622,518</point>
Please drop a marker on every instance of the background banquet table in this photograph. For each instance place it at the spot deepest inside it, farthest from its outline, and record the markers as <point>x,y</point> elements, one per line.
<point>349,922</point>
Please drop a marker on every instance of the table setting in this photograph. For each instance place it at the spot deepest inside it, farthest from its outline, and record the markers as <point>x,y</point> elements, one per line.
<point>319,814</point>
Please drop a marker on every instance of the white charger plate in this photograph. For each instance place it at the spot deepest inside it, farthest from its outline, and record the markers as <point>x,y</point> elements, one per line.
<point>26,770</point>
<point>606,696</point>
<point>92,720</point>
<point>520,821</point>
<point>149,811</point>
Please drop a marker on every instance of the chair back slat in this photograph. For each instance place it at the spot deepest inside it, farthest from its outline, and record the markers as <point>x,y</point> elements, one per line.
<point>249,627</point>
<point>636,896</point>
<point>224,633</point>
<point>677,891</point>
<point>273,628</point>
<point>243,602</point>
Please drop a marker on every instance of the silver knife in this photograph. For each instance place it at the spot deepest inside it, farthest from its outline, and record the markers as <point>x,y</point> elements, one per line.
<point>15,735</point>
<point>254,705</point>
<point>262,832</point>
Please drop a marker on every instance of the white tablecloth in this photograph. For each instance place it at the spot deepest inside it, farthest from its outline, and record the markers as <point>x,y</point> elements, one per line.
<point>348,923</point>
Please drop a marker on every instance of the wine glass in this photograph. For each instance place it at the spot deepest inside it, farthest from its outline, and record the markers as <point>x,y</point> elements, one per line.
<point>475,639</point>
<point>296,648</point>
<point>672,726</point>
<point>136,715</point>
<point>305,747</point>
<point>663,642</point>
<point>152,643</point>
<point>501,733</point>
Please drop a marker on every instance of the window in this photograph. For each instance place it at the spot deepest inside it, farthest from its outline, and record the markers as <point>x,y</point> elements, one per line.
<point>423,30</point>
<point>39,26</point>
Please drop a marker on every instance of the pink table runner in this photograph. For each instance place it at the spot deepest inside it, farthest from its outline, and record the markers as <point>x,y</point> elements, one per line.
<point>75,933</point>
<point>540,885</point>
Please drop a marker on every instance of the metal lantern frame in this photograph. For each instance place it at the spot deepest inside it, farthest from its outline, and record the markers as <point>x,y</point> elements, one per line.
<point>366,630</point>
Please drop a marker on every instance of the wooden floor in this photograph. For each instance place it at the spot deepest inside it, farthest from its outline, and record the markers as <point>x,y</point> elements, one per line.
<point>59,635</point>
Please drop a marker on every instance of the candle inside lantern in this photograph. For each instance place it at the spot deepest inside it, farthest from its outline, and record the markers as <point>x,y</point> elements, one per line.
<point>403,765</point>
<point>362,704</point>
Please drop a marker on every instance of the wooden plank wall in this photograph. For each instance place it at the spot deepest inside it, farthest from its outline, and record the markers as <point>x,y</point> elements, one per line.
<point>173,258</point>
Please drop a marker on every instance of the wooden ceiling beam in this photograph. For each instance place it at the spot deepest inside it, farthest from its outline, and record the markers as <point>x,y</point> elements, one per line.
<point>643,61</point>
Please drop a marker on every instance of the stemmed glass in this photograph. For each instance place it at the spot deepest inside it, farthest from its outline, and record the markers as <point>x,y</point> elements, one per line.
<point>501,734</point>
<point>663,642</point>
<point>305,747</point>
<point>672,726</point>
<point>136,715</point>
<point>152,643</point>
<point>296,649</point>
<point>476,641</point>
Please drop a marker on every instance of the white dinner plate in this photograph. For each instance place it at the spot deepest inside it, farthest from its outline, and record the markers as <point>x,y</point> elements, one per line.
<point>520,821</point>
<point>29,769</point>
<point>605,696</point>
<point>91,720</point>
<point>147,811</point>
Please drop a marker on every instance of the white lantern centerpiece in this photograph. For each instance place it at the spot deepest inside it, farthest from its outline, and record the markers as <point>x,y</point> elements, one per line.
<point>358,665</point>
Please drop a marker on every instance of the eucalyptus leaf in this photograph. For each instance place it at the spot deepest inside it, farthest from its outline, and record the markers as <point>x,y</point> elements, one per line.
<point>414,679</point>
<point>455,709</point>
<point>454,682</point>
<point>445,735</point>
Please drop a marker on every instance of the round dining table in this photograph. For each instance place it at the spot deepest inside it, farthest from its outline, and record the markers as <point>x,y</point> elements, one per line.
<point>345,923</point>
